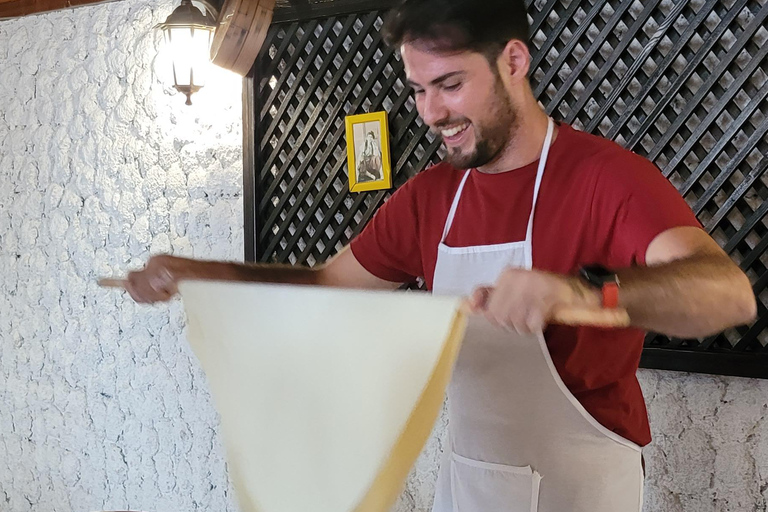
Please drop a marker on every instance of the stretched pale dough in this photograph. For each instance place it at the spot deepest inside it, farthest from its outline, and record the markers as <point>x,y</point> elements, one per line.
<point>326,396</point>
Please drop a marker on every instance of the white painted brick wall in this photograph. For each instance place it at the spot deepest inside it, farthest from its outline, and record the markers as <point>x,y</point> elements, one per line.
<point>102,405</point>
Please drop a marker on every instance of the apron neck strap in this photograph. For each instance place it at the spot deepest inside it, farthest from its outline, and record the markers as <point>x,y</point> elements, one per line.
<point>537,185</point>
<point>454,205</point>
<point>539,175</point>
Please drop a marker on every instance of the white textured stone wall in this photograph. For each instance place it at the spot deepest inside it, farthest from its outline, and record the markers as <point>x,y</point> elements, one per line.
<point>710,447</point>
<point>102,405</point>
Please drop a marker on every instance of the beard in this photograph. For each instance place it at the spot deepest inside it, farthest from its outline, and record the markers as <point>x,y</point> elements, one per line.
<point>490,137</point>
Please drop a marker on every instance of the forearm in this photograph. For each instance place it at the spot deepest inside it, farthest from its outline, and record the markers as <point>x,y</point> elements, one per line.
<point>182,269</point>
<point>159,279</point>
<point>342,270</point>
<point>690,297</point>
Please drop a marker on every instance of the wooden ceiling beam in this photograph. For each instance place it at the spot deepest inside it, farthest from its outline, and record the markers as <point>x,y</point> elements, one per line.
<point>18,8</point>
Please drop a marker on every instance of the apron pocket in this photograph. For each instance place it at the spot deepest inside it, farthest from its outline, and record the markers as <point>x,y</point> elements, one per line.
<point>482,487</point>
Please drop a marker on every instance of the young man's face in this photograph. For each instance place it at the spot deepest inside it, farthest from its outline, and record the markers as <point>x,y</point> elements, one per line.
<point>463,100</point>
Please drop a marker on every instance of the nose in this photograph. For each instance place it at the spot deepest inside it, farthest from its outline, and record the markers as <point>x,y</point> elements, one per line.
<point>432,109</point>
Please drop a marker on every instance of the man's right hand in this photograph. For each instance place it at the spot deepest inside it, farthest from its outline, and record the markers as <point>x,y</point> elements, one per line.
<point>159,279</point>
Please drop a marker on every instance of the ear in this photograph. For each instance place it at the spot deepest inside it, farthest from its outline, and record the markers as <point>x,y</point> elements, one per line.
<point>515,60</point>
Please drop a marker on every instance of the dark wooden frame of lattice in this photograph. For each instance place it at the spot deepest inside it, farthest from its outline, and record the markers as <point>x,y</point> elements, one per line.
<point>686,88</point>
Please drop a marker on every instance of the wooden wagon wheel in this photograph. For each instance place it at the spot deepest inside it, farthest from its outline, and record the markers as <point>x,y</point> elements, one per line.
<point>241,31</point>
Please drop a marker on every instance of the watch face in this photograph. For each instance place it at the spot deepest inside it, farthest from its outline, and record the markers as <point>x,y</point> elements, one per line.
<point>598,271</point>
<point>597,275</point>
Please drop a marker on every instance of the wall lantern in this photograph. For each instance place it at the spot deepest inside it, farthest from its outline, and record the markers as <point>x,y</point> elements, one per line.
<point>188,33</point>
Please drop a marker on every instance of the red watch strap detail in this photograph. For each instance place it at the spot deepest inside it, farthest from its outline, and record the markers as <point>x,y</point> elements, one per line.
<point>610,295</point>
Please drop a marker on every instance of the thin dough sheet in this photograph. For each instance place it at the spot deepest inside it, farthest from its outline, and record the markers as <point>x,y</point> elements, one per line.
<point>326,396</point>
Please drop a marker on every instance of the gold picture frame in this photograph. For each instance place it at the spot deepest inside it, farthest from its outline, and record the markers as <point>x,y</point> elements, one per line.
<point>369,166</point>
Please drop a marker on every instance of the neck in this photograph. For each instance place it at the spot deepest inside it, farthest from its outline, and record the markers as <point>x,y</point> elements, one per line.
<point>525,144</point>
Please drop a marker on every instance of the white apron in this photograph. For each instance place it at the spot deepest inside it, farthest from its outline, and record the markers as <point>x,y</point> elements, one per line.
<point>519,441</point>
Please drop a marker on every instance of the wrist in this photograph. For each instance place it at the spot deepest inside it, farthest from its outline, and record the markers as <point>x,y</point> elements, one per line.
<point>179,268</point>
<point>604,282</point>
<point>586,294</point>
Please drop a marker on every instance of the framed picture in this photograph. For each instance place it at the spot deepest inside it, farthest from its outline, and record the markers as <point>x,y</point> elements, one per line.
<point>368,152</point>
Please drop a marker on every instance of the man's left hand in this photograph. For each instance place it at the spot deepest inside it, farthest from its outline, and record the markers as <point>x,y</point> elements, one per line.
<point>525,301</point>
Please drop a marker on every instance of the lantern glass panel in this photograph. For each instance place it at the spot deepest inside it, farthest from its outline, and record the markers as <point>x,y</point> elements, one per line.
<point>190,48</point>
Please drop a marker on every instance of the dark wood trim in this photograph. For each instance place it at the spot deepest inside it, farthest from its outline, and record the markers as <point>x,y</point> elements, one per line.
<point>301,10</point>
<point>18,8</point>
<point>250,217</point>
<point>736,364</point>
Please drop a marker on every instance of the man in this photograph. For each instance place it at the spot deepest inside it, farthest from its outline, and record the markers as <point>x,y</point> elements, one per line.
<point>369,168</point>
<point>528,218</point>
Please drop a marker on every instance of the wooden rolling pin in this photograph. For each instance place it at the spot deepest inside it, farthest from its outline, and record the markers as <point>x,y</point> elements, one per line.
<point>609,318</point>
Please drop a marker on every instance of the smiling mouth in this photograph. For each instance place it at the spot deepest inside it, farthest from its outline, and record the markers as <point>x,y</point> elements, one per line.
<point>454,133</point>
<point>455,130</point>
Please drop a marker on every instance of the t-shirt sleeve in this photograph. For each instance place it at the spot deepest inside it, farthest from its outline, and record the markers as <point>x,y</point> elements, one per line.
<point>633,204</point>
<point>388,247</point>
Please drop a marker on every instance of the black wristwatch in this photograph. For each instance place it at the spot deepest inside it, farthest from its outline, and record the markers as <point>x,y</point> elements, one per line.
<point>605,280</point>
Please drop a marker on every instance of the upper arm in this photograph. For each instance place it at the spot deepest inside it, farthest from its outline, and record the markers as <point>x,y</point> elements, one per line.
<point>389,246</point>
<point>343,270</point>
<point>681,242</point>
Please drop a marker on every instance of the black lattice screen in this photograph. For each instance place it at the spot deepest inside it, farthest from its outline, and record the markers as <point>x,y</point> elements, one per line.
<point>683,83</point>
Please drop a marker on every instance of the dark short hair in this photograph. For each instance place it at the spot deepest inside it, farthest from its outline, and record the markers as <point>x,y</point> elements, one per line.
<point>484,26</point>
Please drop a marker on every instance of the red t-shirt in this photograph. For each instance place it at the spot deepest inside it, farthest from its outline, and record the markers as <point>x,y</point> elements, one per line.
<point>598,203</point>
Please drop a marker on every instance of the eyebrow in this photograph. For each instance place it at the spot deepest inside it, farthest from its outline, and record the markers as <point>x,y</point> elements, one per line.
<point>438,80</point>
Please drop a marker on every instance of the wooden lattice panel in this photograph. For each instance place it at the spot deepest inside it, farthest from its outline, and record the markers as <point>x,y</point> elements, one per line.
<point>682,83</point>
<point>312,75</point>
